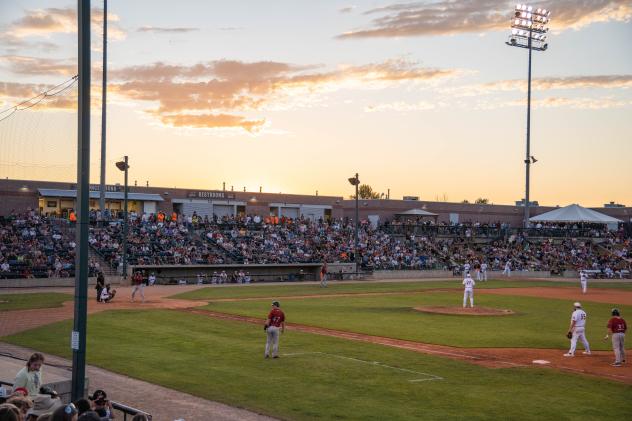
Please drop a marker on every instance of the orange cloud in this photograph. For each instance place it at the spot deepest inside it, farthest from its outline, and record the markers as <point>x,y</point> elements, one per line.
<point>547,83</point>
<point>443,17</point>
<point>44,22</point>
<point>38,66</point>
<point>211,121</point>
<point>166,30</point>
<point>208,94</point>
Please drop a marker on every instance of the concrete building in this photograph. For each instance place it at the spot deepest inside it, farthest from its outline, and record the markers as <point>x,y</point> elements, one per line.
<point>59,197</point>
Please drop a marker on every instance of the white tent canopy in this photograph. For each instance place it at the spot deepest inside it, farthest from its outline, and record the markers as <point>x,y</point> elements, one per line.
<point>575,213</point>
<point>416,212</point>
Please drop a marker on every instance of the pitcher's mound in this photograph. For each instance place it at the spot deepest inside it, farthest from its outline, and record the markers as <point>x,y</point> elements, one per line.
<point>476,311</point>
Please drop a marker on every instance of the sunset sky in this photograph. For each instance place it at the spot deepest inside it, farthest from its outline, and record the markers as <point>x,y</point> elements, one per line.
<point>421,97</point>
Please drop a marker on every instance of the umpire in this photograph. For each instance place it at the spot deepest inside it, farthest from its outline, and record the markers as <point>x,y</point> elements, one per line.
<point>617,328</point>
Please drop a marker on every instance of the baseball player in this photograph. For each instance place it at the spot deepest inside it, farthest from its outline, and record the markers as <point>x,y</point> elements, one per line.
<point>323,275</point>
<point>617,328</point>
<point>507,270</point>
<point>483,272</point>
<point>577,330</point>
<point>466,267</point>
<point>137,281</point>
<point>274,324</point>
<point>469,283</point>
<point>583,280</point>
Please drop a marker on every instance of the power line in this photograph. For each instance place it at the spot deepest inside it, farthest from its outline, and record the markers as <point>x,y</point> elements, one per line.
<point>31,102</point>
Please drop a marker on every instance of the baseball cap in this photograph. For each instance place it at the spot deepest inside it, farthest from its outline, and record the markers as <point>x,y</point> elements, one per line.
<point>98,395</point>
<point>276,304</point>
<point>577,304</point>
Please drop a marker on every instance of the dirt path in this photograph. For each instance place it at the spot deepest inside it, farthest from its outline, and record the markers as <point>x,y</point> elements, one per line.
<point>156,298</point>
<point>597,364</point>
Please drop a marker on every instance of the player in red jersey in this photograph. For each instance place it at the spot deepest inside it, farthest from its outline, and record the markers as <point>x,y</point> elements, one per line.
<point>617,328</point>
<point>275,325</point>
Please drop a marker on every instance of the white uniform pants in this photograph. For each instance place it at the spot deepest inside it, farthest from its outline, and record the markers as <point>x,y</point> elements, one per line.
<point>584,286</point>
<point>507,271</point>
<point>470,293</point>
<point>579,333</point>
<point>478,275</point>
<point>618,345</point>
<point>272,341</point>
<point>141,289</point>
<point>323,280</point>
<point>484,275</point>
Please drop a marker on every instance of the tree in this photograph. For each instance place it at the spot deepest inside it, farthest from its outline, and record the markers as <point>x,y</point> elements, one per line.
<point>465,201</point>
<point>366,192</point>
<point>482,201</point>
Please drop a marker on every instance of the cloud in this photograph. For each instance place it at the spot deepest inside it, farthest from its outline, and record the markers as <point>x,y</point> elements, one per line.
<point>579,103</point>
<point>45,22</point>
<point>547,83</point>
<point>230,28</point>
<point>212,121</point>
<point>13,93</point>
<point>402,107</point>
<point>211,94</point>
<point>448,17</point>
<point>164,30</point>
<point>24,65</point>
<point>347,9</point>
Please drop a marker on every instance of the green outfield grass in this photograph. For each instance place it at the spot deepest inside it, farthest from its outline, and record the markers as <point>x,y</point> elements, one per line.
<point>35,300</point>
<point>223,361</point>
<point>263,290</point>
<point>538,322</point>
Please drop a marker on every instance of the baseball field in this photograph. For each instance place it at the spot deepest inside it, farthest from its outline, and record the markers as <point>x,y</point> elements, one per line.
<point>371,350</point>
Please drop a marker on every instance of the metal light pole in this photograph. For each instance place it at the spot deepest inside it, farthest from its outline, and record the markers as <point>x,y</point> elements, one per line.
<point>529,28</point>
<point>103,107</point>
<point>355,181</point>
<point>78,338</point>
<point>123,166</point>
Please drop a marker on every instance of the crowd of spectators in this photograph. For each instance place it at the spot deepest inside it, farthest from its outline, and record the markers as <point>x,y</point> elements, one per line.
<point>31,245</point>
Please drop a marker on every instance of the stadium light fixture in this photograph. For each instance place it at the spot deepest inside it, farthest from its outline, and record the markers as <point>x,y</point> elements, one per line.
<point>529,28</point>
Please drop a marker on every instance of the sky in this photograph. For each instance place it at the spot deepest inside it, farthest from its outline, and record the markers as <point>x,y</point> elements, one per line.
<point>420,97</point>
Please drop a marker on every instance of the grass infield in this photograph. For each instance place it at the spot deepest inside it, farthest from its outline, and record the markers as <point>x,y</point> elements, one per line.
<point>30,301</point>
<point>537,322</point>
<point>330,378</point>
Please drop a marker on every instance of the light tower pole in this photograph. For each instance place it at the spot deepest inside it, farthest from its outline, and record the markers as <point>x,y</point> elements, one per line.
<point>104,91</point>
<point>528,30</point>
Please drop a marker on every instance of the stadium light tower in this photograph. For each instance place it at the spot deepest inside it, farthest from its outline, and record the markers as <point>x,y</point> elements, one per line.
<point>528,30</point>
<point>124,166</point>
<point>355,181</point>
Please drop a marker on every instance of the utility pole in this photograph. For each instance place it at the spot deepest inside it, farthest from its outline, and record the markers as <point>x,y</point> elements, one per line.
<point>78,338</point>
<point>104,91</point>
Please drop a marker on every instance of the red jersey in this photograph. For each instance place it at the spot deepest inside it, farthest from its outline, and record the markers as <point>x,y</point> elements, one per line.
<point>276,317</point>
<point>617,325</point>
<point>137,279</point>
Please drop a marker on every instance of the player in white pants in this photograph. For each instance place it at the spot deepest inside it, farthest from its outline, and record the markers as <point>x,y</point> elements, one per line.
<point>578,329</point>
<point>469,283</point>
<point>507,270</point>
<point>483,272</point>
<point>583,280</point>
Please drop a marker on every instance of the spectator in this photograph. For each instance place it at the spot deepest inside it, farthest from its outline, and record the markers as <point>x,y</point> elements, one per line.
<point>22,403</point>
<point>30,377</point>
<point>65,413</point>
<point>101,405</point>
<point>9,412</point>
<point>43,404</point>
<point>82,405</point>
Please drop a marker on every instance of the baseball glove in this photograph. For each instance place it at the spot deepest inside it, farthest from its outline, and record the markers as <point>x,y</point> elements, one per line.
<point>265,328</point>
<point>569,335</point>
